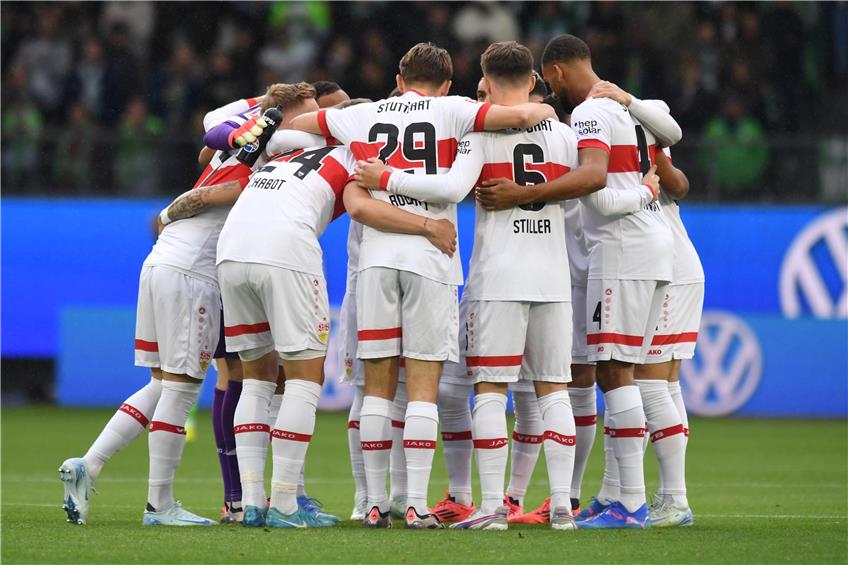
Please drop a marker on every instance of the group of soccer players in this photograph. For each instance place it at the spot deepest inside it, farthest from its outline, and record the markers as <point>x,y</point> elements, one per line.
<point>581,275</point>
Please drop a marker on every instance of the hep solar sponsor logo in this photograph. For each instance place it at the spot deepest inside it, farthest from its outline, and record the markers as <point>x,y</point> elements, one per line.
<point>727,366</point>
<point>814,274</point>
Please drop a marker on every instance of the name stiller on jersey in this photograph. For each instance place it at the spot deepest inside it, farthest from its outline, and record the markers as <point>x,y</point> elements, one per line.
<point>634,246</point>
<point>414,133</point>
<point>520,253</point>
<point>266,215</point>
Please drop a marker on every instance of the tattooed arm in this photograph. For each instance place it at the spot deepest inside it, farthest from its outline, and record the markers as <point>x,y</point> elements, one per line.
<point>197,200</point>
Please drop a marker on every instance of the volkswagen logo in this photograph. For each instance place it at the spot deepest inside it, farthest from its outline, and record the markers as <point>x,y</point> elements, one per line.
<point>815,269</point>
<point>726,368</point>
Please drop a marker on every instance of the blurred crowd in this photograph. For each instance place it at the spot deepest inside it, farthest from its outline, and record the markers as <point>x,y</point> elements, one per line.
<point>107,97</point>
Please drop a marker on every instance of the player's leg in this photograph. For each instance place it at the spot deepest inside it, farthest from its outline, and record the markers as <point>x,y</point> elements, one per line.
<point>379,346</point>
<point>430,320</point>
<point>397,463</point>
<point>526,444</point>
<point>495,342</point>
<point>217,428</point>
<point>248,332</point>
<point>357,465</point>
<point>619,312</point>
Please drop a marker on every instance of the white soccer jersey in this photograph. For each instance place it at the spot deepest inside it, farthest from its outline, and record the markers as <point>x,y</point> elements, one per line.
<point>285,208</point>
<point>687,264</point>
<point>416,133</point>
<point>519,254</point>
<point>634,246</point>
<point>575,242</point>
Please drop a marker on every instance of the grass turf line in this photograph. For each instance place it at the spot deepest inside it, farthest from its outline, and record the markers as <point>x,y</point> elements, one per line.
<point>762,492</point>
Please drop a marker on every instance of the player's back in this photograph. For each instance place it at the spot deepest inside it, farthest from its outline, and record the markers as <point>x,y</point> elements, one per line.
<point>630,246</point>
<point>285,208</point>
<point>520,253</point>
<point>417,134</point>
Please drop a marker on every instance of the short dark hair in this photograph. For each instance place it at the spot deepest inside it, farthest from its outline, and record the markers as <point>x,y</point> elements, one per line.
<point>540,88</point>
<point>507,60</point>
<point>426,63</point>
<point>324,87</point>
<point>564,49</point>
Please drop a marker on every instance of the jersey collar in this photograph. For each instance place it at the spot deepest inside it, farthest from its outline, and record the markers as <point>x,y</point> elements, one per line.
<point>418,92</point>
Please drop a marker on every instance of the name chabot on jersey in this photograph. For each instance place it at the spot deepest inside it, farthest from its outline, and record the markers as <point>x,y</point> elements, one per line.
<point>267,183</point>
<point>586,127</point>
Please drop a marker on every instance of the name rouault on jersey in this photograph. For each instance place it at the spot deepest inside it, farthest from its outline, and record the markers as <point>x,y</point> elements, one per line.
<point>526,225</point>
<point>403,106</point>
<point>401,200</point>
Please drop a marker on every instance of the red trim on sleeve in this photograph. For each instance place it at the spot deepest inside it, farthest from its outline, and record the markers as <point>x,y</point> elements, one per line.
<point>480,118</point>
<point>322,123</point>
<point>251,102</point>
<point>384,180</point>
<point>593,143</point>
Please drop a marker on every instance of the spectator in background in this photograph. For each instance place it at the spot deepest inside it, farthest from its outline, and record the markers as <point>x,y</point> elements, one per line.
<point>121,76</point>
<point>693,105</point>
<point>85,82</point>
<point>288,56</point>
<point>487,21</point>
<point>709,56</point>
<point>138,18</point>
<point>73,158</point>
<point>222,85</point>
<point>135,169</point>
<point>22,124</point>
<point>735,149</point>
<point>785,33</point>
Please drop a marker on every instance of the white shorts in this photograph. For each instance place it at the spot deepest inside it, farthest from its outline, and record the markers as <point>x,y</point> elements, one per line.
<point>622,318</point>
<point>269,308</point>
<point>677,329</point>
<point>177,322</point>
<point>354,372</point>
<point>403,313</point>
<point>511,341</point>
<point>579,349</point>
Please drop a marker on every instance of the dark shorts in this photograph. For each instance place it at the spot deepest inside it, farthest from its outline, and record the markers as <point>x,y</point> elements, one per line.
<point>221,351</point>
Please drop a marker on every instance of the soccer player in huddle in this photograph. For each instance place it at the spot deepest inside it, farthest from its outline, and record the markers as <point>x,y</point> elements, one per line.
<point>407,292</point>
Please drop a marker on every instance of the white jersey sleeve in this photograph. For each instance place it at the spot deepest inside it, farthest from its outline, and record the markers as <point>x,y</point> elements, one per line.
<point>592,125</point>
<point>468,115</point>
<point>687,265</point>
<point>288,139</point>
<point>655,115</point>
<point>608,202</point>
<point>222,114</point>
<point>345,125</point>
<point>452,186</point>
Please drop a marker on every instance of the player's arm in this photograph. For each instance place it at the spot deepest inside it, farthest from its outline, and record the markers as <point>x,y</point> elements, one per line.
<point>307,122</point>
<point>447,188</point>
<point>519,116</point>
<point>288,139</point>
<point>205,156</point>
<point>385,217</point>
<point>609,202</point>
<point>653,114</point>
<point>674,181</point>
<point>222,114</point>
<point>197,200</point>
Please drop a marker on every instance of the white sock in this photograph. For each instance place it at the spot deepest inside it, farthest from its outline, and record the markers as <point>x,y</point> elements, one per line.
<point>301,482</point>
<point>526,443</point>
<point>560,439</point>
<point>627,429</point>
<point>666,429</point>
<point>397,467</point>
<point>356,463</point>
<point>166,440</point>
<point>677,398</point>
<point>584,403</point>
<point>375,432</point>
<point>420,433</point>
<point>455,420</point>
<point>610,483</point>
<point>290,440</point>
<point>129,421</point>
<point>252,431</point>
<point>490,446</point>
<point>274,409</point>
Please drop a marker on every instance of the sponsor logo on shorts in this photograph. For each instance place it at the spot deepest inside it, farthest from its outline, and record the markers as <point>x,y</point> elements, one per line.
<point>727,366</point>
<point>324,330</point>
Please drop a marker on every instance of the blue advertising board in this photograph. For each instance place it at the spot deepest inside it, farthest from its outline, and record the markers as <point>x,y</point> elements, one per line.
<point>775,275</point>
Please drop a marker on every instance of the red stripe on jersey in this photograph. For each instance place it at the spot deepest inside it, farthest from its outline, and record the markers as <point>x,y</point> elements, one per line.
<point>626,432</point>
<point>592,144</point>
<point>625,158</point>
<point>494,361</point>
<point>291,436</point>
<point>156,426</point>
<point>685,337</point>
<point>419,444</point>
<point>456,436</point>
<point>398,424</point>
<point>150,346</point>
<point>130,410</point>
<point>668,432</point>
<point>226,173</point>
<point>334,173</point>
<point>353,425</point>
<point>247,428</point>
<point>585,420</point>
<point>525,438</point>
<point>376,335</point>
<point>322,124</point>
<point>376,445</point>
<point>495,171</point>
<point>559,438</point>
<point>445,154</point>
<point>494,443</point>
<point>621,339</point>
<point>480,118</point>
<point>550,171</point>
<point>241,329</point>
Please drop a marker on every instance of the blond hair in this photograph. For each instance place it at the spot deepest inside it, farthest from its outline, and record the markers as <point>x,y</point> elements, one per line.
<point>287,94</point>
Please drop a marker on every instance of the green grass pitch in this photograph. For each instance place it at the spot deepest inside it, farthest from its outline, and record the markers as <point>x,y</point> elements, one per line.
<point>762,492</point>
